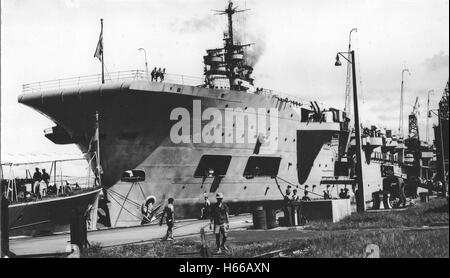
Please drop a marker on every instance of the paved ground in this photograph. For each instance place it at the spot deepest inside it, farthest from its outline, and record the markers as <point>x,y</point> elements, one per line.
<point>111,237</point>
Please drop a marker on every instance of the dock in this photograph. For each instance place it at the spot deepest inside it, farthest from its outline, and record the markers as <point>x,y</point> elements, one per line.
<point>53,244</point>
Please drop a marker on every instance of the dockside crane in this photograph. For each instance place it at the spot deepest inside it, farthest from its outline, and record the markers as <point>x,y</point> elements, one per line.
<point>413,126</point>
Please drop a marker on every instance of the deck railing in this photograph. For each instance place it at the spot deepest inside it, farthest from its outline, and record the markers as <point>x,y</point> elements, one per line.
<point>95,79</point>
<point>132,75</point>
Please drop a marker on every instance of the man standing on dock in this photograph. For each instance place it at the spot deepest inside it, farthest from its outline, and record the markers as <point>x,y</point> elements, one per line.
<point>170,218</point>
<point>219,215</point>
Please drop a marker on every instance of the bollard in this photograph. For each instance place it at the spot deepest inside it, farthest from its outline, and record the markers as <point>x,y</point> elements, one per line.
<point>376,200</point>
<point>271,218</point>
<point>259,218</point>
<point>78,229</point>
<point>424,197</point>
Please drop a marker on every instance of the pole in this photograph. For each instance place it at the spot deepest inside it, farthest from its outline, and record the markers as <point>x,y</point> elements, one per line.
<point>146,64</point>
<point>428,117</point>
<point>4,226</point>
<point>347,86</point>
<point>360,200</point>
<point>400,125</point>
<point>442,162</point>
<point>103,59</point>
<point>1,174</point>
<point>3,245</point>
<point>98,148</point>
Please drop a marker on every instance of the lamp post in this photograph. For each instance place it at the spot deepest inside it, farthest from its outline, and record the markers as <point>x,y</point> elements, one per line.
<point>400,127</point>
<point>349,77</point>
<point>146,64</point>
<point>428,117</point>
<point>360,200</point>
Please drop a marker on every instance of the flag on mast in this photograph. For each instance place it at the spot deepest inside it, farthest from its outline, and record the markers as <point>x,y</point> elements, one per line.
<point>99,50</point>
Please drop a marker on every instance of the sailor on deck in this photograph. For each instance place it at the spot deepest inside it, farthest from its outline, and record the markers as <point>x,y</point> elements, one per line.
<point>37,177</point>
<point>153,74</point>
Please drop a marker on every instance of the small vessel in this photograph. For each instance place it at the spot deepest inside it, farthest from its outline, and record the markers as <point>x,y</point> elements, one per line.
<point>30,213</point>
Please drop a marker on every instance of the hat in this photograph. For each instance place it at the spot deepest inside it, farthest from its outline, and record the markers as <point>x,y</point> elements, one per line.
<point>219,196</point>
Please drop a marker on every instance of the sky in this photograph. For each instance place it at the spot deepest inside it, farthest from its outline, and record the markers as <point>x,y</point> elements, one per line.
<point>297,42</point>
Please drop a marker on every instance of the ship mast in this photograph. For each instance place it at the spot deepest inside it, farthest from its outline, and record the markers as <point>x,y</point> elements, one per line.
<point>234,66</point>
<point>230,11</point>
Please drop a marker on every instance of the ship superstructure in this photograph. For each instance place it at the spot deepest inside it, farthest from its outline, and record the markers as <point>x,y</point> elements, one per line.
<point>227,67</point>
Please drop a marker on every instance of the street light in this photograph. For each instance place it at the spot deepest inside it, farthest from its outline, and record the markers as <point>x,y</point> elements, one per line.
<point>428,116</point>
<point>146,64</point>
<point>400,127</point>
<point>349,76</point>
<point>360,200</point>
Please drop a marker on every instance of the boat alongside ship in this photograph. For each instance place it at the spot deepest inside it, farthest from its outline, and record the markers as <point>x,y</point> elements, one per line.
<point>32,214</point>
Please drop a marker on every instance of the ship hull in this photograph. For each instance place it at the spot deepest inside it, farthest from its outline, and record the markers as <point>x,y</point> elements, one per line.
<point>48,216</point>
<point>135,128</point>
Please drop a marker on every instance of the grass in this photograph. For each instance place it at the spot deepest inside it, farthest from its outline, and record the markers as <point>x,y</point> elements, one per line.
<point>149,250</point>
<point>347,238</point>
<point>398,244</point>
<point>417,216</point>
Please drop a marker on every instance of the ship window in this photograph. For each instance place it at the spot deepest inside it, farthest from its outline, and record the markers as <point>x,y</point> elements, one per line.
<point>212,166</point>
<point>133,176</point>
<point>178,90</point>
<point>262,166</point>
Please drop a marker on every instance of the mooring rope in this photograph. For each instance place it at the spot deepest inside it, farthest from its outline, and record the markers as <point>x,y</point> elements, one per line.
<point>297,186</point>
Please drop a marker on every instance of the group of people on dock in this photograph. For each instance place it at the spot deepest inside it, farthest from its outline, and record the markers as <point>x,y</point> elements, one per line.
<point>295,197</point>
<point>158,73</point>
<point>292,195</point>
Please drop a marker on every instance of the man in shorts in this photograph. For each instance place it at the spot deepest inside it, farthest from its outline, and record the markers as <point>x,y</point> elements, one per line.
<point>219,216</point>
<point>170,218</point>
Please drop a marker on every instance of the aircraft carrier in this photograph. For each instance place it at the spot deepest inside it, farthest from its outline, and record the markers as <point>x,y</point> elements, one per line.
<point>188,138</point>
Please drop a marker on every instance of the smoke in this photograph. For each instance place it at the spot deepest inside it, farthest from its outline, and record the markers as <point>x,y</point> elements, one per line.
<point>256,50</point>
<point>196,24</point>
<point>437,62</point>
